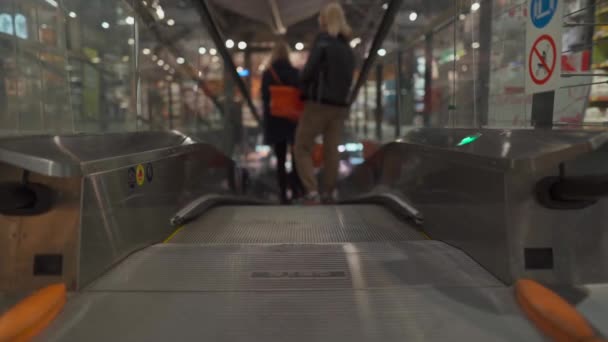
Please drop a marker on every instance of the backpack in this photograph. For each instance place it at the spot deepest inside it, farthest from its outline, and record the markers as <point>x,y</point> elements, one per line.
<point>285,101</point>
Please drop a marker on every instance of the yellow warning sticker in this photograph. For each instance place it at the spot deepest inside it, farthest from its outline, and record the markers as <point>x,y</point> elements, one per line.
<point>140,175</point>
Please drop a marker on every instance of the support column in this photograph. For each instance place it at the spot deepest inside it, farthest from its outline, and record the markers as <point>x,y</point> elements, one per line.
<point>379,109</point>
<point>485,43</point>
<point>398,95</point>
<point>428,78</point>
<point>365,109</point>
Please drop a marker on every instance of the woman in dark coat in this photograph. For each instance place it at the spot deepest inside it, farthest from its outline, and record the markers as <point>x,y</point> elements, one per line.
<point>279,132</point>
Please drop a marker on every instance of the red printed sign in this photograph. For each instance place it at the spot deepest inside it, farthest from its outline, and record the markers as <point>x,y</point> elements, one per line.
<point>542,59</point>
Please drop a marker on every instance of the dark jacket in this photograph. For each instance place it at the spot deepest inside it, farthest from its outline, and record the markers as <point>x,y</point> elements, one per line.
<point>328,74</point>
<point>277,130</point>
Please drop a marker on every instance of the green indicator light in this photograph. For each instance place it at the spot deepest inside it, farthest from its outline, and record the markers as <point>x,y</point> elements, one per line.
<point>469,140</point>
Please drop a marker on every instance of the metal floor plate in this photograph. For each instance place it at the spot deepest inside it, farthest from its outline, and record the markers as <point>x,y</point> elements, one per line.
<point>407,314</point>
<point>297,224</point>
<point>178,267</point>
<point>345,273</point>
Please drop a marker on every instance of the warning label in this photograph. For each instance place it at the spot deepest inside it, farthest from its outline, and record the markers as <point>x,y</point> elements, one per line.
<point>542,59</point>
<point>140,175</point>
<point>544,46</point>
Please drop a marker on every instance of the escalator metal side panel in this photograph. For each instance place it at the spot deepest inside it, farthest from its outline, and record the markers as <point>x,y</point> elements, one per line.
<point>120,216</point>
<point>481,198</point>
<point>297,224</point>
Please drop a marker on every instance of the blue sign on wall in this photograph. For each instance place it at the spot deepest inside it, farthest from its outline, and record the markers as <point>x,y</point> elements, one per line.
<point>542,11</point>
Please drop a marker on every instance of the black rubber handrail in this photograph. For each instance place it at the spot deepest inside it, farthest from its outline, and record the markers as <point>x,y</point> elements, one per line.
<point>152,24</point>
<point>581,188</point>
<point>208,20</point>
<point>383,30</point>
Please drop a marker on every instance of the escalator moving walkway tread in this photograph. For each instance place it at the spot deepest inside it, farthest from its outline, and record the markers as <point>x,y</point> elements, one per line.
<point>188,267</point>
<point>282,224</point>
<point>344,273</point>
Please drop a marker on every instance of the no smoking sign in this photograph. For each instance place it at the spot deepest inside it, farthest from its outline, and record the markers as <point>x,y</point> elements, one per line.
<point>542,60</point>
<point>543,46</point>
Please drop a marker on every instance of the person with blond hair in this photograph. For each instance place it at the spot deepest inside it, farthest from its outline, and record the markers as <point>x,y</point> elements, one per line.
<point>325,82</point>
<point>278,131</point>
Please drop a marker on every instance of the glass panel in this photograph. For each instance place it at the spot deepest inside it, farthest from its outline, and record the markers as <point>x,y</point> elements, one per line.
<point>11,84</point>
<point>509,106</point>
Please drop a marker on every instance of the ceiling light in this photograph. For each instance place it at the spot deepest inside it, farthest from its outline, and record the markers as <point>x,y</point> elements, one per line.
<point>202,50</point>
<point>242,45</point>
<point>385,6</point>
<point>230,43</point>
<point>213,52</point>
<point>413,16</point>
<point>167,67</point>
<point>355,42</point>
<point>105,25</point>
<point>462,16</point>
<point>299,46</point>
<point>170,22</point>
<point>475,45</point>
<point>146,51</point>
<point>52,3</point>
<point>382,52</point>
<point>160,13</point>
<point>154,58</point>
<point>131,41</point>
<point>72,15</point>
<point>180,60</point>
<point>160,62</point>
<point>475,6</point>
<point>130,20</point>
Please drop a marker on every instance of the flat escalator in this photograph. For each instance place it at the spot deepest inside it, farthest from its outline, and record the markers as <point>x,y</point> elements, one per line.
<point>278,273</point>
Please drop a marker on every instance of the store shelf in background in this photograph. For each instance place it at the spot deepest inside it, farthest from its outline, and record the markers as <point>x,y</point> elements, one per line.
<point>598,99</point>
<point>600,36</point>
<point>602,10</point>
<point>603,66</point>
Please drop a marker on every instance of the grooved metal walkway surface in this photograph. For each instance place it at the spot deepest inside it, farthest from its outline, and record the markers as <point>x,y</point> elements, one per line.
<point>175,267</point>
<point>277,274</point>
<point>283,224</point>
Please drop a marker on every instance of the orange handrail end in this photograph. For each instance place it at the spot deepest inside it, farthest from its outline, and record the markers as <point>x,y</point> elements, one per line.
<point>33,314</point>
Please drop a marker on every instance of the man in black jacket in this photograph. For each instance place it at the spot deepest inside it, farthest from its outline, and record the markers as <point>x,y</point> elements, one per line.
<point>326,82</point>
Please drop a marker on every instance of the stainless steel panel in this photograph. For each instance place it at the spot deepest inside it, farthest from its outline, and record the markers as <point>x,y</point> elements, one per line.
<point>521,148</point>
<point>480,197</point>
<point>579,238</point>
<point>76,155</point>
<point>462,204</point>
<point>118,219</point>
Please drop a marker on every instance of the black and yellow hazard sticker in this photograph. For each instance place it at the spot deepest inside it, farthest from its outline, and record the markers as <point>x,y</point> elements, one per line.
<point>140,175</point>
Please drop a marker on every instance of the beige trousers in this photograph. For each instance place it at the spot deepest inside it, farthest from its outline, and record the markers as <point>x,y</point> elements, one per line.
<point>326,120</point>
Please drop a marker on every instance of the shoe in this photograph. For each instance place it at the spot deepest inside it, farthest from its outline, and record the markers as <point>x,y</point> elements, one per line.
<point>328,199</point>
<point>311,198</point>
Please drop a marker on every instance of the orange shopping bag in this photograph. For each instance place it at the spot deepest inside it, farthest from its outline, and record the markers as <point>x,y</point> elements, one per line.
<point>285,101</point>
